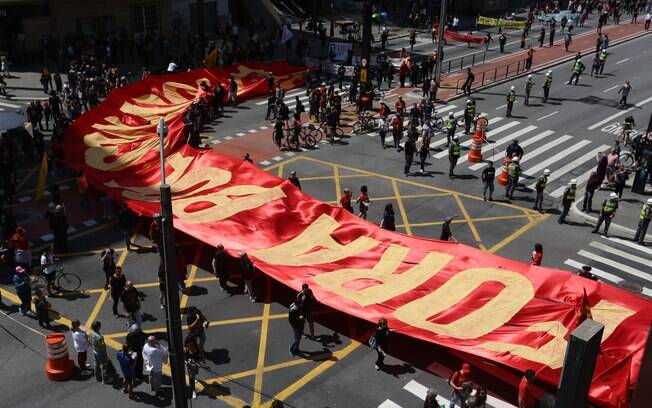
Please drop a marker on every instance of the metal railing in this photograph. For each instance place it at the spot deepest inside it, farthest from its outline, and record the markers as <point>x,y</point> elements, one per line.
<point>492,75</point>
<point>459,63</point>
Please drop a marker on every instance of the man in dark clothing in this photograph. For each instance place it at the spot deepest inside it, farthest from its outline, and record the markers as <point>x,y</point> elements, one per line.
<point>542,37</point>
<point>135,341</point>
<point>126,219</point>
<point>551,39</point>
<point>591,185</point>
<point>271,104</point>
<point>60,230</point>
<point>297,321</point>
<point>410,149</point>
<point>219,267</point>
<point>466,87</point>
<point>294,179</point>
<point>446,233</point>
<point>488,176</point>
<point>514,149</point>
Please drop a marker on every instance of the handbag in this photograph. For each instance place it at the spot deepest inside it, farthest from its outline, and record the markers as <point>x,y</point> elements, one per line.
<point>372,341</point>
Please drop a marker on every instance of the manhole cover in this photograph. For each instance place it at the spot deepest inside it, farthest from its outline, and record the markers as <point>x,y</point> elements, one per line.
<point>631,286</point>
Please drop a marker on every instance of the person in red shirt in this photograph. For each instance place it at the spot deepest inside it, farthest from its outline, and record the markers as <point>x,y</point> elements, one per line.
<point>400,105</point>
<point>525,396</point>
<point>19,239</point>
<point>459,380</point>
<point>537,254</point>
<point>345,200</point>
<point>363,202</point>
<point>384,110</point>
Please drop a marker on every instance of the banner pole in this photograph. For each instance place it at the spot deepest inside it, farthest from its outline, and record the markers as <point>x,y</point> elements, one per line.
<point>440,44</point>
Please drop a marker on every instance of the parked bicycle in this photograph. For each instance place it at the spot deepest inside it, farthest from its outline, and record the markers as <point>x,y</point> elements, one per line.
<point>364,123</point>
<point>64,281</point>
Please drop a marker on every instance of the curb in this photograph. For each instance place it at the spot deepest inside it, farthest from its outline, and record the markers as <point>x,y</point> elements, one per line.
<point>576,213</point>
<point>400,36</point>
<point>546,65</point>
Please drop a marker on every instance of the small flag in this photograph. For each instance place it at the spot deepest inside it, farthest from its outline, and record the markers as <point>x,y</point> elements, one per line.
<point>585,309</point>
<point>42,176</point>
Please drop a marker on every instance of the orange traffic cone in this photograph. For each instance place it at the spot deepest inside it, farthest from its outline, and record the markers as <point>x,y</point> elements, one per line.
<point>475,154</point>
<point>502,179</point>
<point>59,366</point>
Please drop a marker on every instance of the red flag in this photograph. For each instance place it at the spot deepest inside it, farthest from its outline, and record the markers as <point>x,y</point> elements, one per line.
<point>585,309</point>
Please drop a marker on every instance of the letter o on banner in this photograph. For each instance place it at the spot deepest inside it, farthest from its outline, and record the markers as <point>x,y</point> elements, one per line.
<point>518,291</point>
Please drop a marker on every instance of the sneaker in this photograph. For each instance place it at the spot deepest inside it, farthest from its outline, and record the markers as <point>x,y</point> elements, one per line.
<point>376,367</point>
<point>162,306</point>
<point>194,394</point>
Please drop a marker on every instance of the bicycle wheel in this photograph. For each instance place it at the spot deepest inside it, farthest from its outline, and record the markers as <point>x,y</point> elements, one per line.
<point>68,282</point>
<point>339,133</point>
<point>38,282</point>
<point>276,139</point>
<point>309,140</point>
<point>437,123</point>
<point>460,121</point>
<point>357,127</point>
<point>317,135</point>
<point>627,159</point>
<point>293,142</point>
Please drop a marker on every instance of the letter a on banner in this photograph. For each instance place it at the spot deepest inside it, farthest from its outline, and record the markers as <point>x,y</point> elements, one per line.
<point>42,175</point>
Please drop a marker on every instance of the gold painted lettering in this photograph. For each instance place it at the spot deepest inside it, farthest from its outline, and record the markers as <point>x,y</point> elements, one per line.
<point>389,284</point>
<point>517,292</point>
<point>314,245</point>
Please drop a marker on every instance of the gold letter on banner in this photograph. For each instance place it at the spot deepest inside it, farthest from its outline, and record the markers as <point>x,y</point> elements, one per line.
<point>518,291</point>
<point>552,353</point>
<point>314,246</point>
<point>390,284</point>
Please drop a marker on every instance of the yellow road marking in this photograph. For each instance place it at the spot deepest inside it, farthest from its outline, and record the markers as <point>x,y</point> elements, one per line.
<point>338,186</point>
<point>262,345</point>
<point>280,170</point>
<point>407,196</point>
<point>27,177</point>
<point>480,219</point>
<point>516,234</point>
<point>469,221</point>
<point>347,176</point>
<point>191,278</point>
<point>401,208</point>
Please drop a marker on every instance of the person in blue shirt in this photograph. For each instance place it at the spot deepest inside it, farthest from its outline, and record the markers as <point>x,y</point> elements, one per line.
<point>127,365</point>
<point>23,290</point>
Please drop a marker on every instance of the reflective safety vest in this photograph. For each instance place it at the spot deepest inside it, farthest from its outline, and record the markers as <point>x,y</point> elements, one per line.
<point>577,68</point>
<point>450,124</point>
<point>602,56</point>
<point>528,85</point>
<point>610,206</point>
<point>646,212</point>
<point>569,194</point>
<point>470,109</point>
<point>548,82</point>
<point>511,96</point>
<point>542,183</point>
<point>514,170</point>
<point>455,149</point>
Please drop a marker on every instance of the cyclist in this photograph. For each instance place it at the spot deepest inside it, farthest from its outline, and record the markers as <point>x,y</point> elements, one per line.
<point>469,115</point>
<point>48,268</point>
<point>283,112</point>
<point>428,108</point>
<point>400,106</point>
<point>295,127</point>
<point>628,126</point>
<point>331,122</point>
<point>278,131</point>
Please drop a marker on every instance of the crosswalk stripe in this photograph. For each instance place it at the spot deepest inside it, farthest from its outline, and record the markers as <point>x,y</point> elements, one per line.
<point>580,180</point>
<point>543,148</point>
<point>605,275</point>
<point>489,133</point>
<point>9,105</point>
<point>445,108</point>
<point>620,253</point>
<point>610,118</point>
<point>629,244</point>
<point>574,164</point>
<point>617,265</point>
<point>526,143</point>
<point>550,160</point>
<point>502,141</point>
<point>389,404</point>
<point>421,391</point>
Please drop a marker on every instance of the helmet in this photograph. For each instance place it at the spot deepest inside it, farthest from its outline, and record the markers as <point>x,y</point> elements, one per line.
<point>511,88</point>
<point>450,115</point>
<point>468,101</point>
<point>549,73</point>
<point>456,138</point>
<point>515,159</point>
<point>649,201</point>
<point>546,172</point>
<point>573,182</point>
<point>613,195</point>
<point>529,76</point>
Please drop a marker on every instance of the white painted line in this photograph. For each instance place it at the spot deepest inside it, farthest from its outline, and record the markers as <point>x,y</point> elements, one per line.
<point>610,88</point>
<point>541,149</point>
<point>574,164</point>
<point>417,389</point>
<point>622,60</point>
<point>620,253</point>
<point>47,237</point>
<point>617,265</point>
<point>526,143</point>
<point>445,108</point>
<point>610,118</point>
<point>564,153</point>
<point>71,230</point>
<point>497,403</point>
<point>489,133</point>
<point>90,223</point>
<point>265,163</point>
<point>64,187</point>
<point>501,106</point>
<point>290,154</point>
<point>277,158</point>
<point>216,141</point>
<point>389,404</point>
<point>502,141</point>
<point>228,137</point>
<point>11,105</point>
<point>24,199</point>
<point>580,180</point>
<point>372,134</point>
<point>604,275</point>
<point>263,128</point>
<point>632,245</point>
<point>253,130</point>
<point>240,134</point>
<point>548,115</point>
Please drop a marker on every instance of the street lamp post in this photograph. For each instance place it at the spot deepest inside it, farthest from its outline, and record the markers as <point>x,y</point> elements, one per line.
<point>168,255</point>
<point>440,44</point>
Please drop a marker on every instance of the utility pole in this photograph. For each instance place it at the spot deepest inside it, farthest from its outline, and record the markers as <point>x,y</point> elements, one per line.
<point>200,26</point>
<point>173,314</point>
<point>440,39</point>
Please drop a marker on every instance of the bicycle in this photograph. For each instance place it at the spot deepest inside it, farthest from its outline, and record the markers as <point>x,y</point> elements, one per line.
<point>436,122</point>
<point>364,122</point>
<point>286,135</point>
<point>64,281</point>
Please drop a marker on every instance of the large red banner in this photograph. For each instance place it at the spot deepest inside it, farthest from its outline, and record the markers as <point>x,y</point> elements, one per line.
<point>450,294</point>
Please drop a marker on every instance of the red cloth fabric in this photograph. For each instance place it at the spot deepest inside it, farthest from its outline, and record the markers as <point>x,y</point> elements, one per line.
<point>525,393</point>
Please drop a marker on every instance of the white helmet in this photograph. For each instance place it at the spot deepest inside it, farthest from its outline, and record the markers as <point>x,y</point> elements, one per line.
<point>450,115</point>
<point>613,195</point>
<point>573,182</point>
<point>549,73</point>
<point>511,88</point>
<point>546,172</point>
<point>529,76</point>
<point>515,159</point>
<point>649,201</point>
<point>468,101</point>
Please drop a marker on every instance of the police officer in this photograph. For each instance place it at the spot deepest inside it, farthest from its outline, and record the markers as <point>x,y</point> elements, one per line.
<point>511,98</point>
<point>469,114</point>
<point>453,155</point>
<point>451,126</point>
<point>540,187</point>
<point>607,213</point>
<point>578,68</point>
<point>529,84</point>
<point>602,57</point>
<point>547,83</point>
<point>513,173</point>
<point>567,200</point>
<point>644,221</point>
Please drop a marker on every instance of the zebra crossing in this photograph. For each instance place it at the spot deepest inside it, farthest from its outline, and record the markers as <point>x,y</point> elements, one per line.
<point>290,100</point>
<point>567,156</point>
<point>617,261</point>
<point>414,393</point>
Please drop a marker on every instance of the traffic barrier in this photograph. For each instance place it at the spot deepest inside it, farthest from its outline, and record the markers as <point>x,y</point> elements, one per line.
<point>505,174</point>
<point>59,366</point>
<point>475,154</point>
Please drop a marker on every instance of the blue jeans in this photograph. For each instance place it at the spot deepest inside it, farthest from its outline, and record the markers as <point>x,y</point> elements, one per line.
<point>294,347</point>
<point>455,398</point>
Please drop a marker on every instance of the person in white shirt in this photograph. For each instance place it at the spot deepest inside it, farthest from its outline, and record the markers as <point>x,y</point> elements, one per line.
<point>172,67</point>
<point>48,268</point>
<point>80,344</point>
<point>154,356</point>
